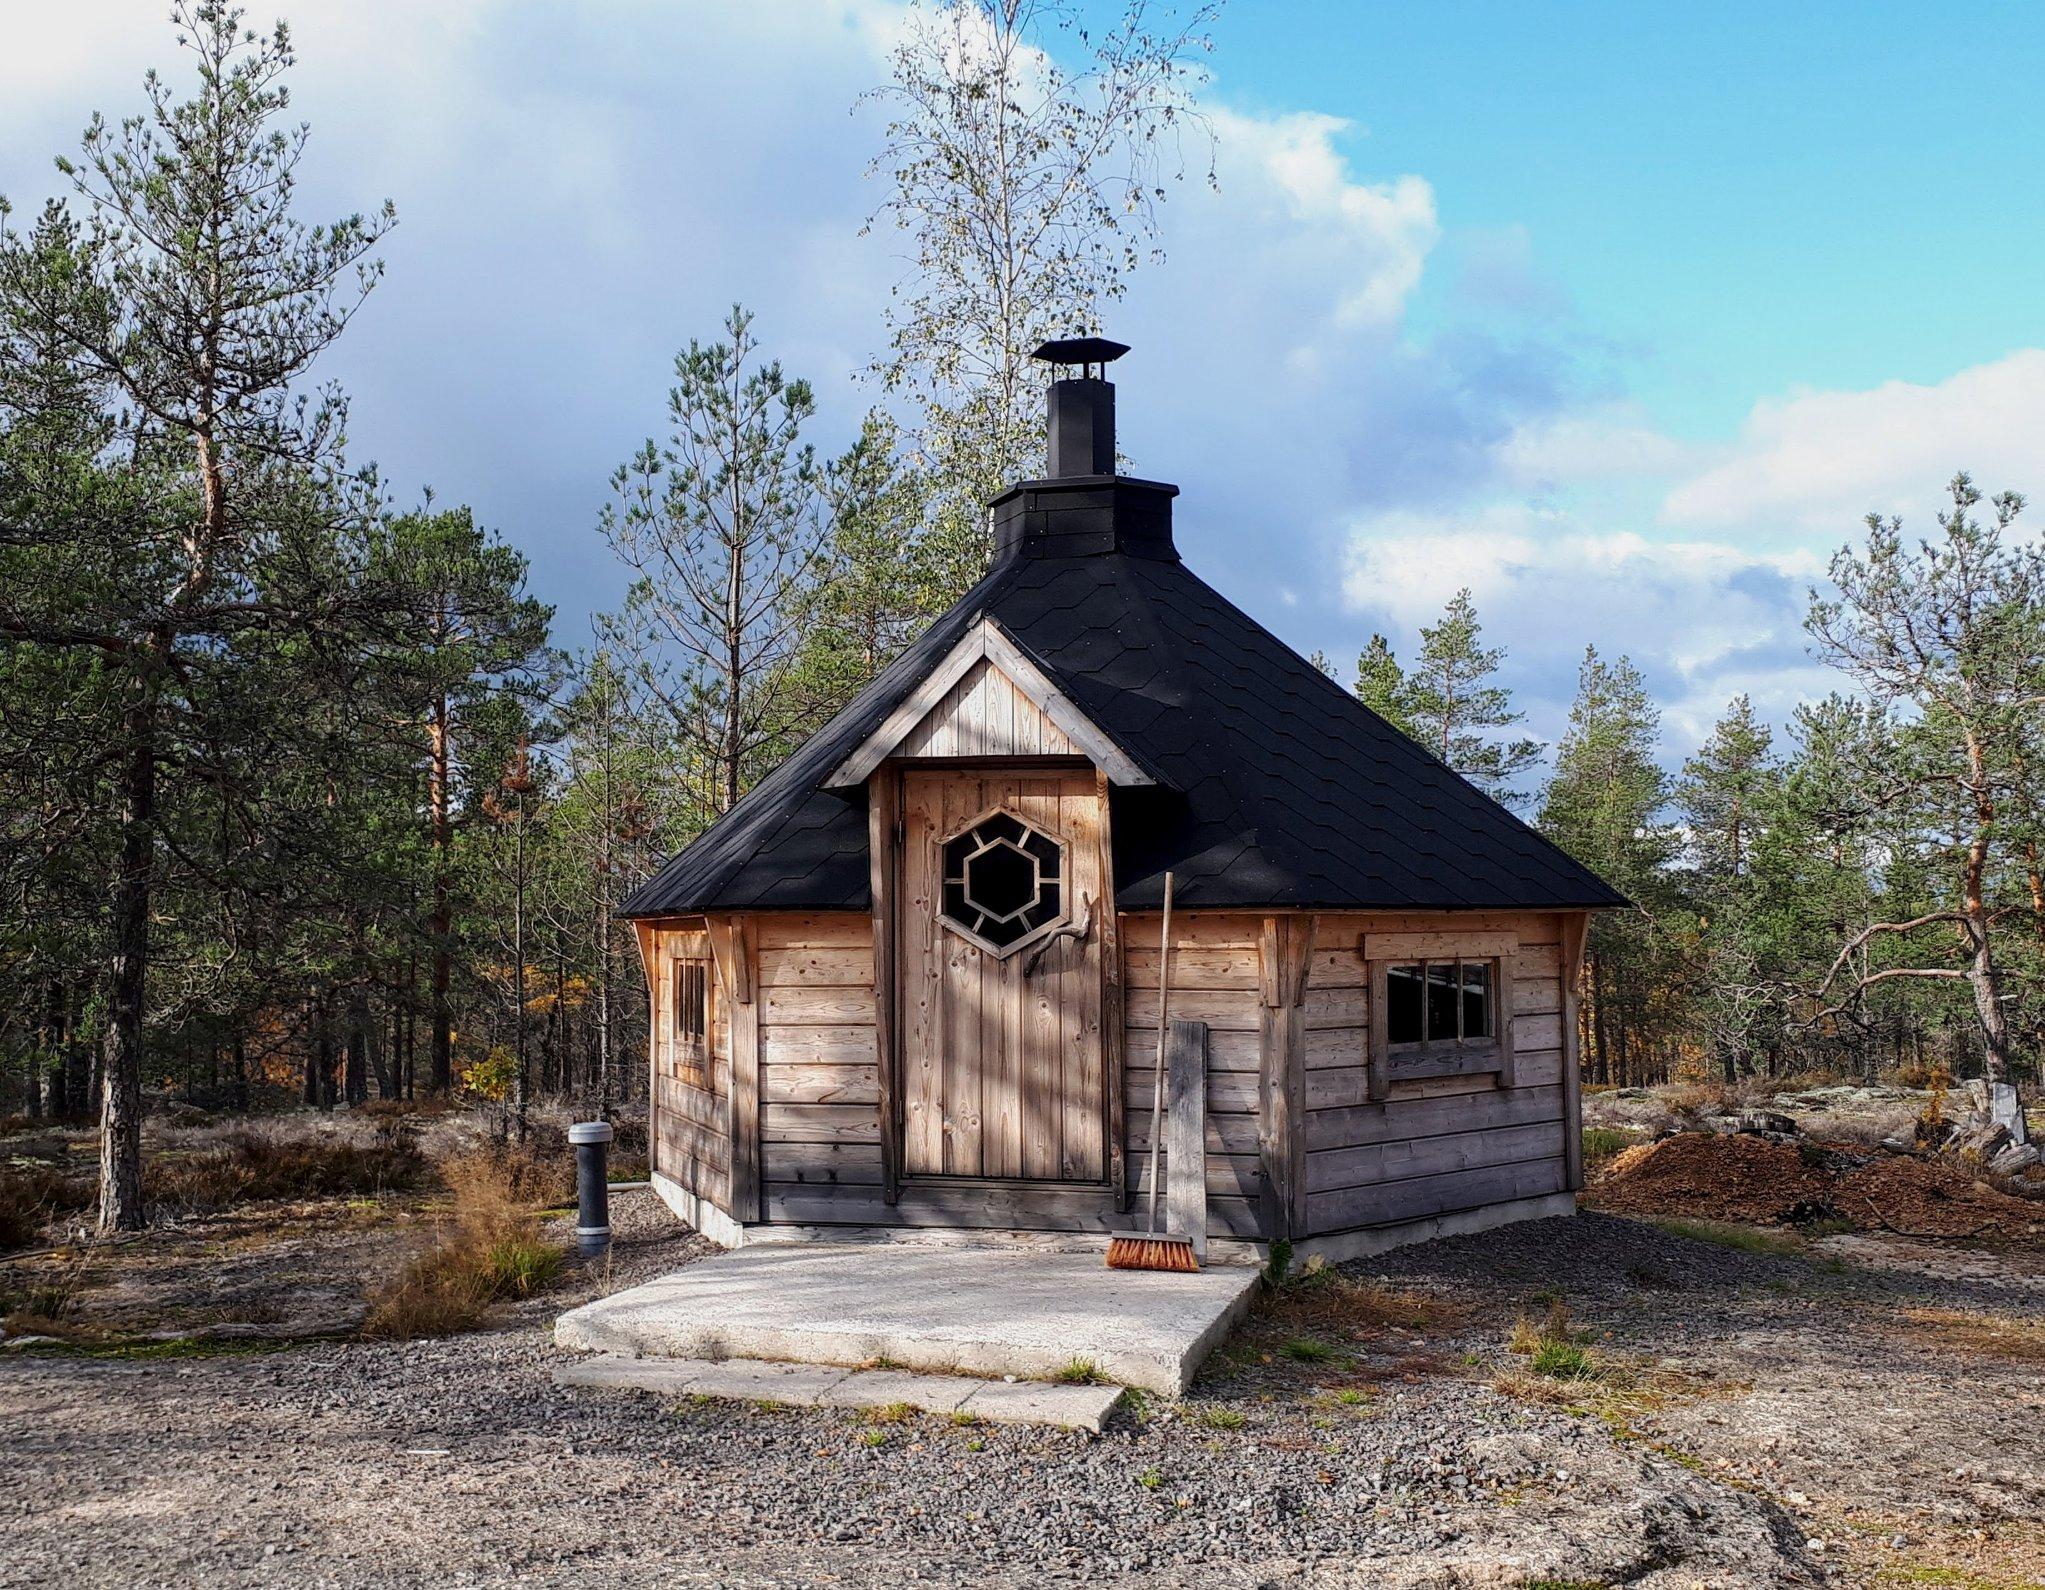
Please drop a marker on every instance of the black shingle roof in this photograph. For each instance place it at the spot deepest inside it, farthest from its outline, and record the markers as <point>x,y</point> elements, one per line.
<point>1277,786</point>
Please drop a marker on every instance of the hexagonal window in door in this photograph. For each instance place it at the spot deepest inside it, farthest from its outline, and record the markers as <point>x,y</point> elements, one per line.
<point>1004,882</point>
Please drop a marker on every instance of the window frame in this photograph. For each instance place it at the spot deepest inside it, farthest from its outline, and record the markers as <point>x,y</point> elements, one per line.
<point>941,872</point>
<point>1391,1063</point>
<point>692,1051</point>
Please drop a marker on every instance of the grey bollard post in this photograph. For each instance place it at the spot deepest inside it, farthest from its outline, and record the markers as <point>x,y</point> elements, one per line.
<point>592,1187</point>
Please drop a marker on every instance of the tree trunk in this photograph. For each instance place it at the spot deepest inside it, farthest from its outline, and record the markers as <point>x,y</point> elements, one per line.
<point>309,1069</point>
<point>1983,975</point>
<point>440,922</point>
<point>120,1110</point>
<point>383,1056</point>
<point>323,1047</point>
<point>241,1073</point>
<point>1601,1069</point>
<point>358,1048</point>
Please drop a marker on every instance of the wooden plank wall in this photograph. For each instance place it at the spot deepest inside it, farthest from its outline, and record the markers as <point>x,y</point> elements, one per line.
<point>1443,1144</point>
<point>1215,979</point>
<point>1433,1147</point>
<point>691,1139</point>
<point>985,715</point>
<point>819,1067</point>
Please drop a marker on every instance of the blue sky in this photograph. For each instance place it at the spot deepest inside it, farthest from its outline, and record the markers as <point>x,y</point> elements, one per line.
<point>1620,314</point>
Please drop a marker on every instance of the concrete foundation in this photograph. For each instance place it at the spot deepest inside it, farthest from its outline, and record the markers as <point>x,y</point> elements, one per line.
<point>971,1311</point>
<point>817,1386</point>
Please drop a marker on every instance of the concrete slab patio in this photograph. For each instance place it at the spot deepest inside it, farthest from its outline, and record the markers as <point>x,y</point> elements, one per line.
<point>971,1311</point>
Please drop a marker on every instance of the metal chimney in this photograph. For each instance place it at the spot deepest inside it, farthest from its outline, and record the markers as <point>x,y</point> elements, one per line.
<point>1080,412</point>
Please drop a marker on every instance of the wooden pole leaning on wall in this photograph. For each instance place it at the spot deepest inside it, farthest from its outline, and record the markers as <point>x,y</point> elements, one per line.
<point>1185,1133</point>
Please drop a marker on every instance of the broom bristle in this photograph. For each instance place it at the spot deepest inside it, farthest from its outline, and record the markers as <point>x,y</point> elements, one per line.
<point>1152,1253</point>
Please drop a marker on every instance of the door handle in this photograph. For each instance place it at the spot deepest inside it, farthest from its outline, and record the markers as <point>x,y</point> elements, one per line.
<point>1077,931</point>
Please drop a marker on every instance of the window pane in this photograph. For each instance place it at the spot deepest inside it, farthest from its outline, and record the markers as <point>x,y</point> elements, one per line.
<point>1441,1002</point>
<point>1477,1000</point>
<point>1402,1004</point>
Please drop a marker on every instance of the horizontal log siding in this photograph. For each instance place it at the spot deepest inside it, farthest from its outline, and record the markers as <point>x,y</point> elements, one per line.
<point>1442,1144</point>
<point>1215,979</point>
<point>819,1071</point>
<point>690,1140</point>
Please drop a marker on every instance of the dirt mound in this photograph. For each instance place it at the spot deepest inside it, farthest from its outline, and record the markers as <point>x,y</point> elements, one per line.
<point>1716,1178</point>
<point>1933,1198</point>
<point>1757,1179</point>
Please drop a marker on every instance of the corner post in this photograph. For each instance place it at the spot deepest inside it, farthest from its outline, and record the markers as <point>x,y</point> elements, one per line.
<point>883,817</point>
<point>1286,950</point>
<point>1575,929</point>
<point>1114,1039</point>
<point>732,942</point>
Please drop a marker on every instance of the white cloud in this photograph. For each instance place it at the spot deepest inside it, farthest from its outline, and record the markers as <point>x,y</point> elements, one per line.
<point>1817,462</point>
<point>1607,442</point>
<point>1704,619</point>
<point>1285,178</point>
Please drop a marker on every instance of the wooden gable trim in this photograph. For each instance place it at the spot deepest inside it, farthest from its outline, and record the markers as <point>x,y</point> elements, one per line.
<point>987,640</point>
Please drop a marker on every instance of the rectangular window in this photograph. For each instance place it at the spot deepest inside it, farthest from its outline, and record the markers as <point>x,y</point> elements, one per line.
<point>1440,1002</point>
<point>692,1021</point>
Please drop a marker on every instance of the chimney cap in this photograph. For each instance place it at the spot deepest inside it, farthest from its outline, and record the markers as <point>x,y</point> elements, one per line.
<point>1080,351</point>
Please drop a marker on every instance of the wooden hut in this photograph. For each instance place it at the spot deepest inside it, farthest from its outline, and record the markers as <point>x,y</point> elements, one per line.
<point>912,979</point>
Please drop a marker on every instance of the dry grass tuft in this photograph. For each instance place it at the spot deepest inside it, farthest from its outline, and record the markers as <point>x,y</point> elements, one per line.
<point>492,1249</point>
<point>252,1166</point>
<point>1984,1335</point>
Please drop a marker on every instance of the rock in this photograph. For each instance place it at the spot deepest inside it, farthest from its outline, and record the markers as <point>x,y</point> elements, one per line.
<point>2006,1110</point>
<point>1764,1123</point>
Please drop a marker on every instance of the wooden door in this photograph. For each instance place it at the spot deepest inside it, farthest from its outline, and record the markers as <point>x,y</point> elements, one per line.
<point>1001,1061</point>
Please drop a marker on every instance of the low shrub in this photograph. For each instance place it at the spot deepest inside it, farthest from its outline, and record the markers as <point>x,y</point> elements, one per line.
<point>32,1194</point>
<point>253,1166</point>
<point>1560,1360</point>
<point>1602,1142</point>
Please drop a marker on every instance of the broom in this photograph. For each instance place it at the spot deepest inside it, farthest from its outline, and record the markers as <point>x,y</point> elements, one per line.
<point>1155,1249</point>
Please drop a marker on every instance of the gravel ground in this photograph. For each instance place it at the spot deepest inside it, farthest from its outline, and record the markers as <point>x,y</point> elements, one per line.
<point>460,1463</point>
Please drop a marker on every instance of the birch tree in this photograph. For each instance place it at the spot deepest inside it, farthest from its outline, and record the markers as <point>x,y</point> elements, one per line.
<point>1025,157</point>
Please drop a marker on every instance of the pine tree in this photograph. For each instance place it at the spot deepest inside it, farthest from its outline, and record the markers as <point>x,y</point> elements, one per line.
<point>1604,805</point>
<point>1381,685</point>
<point>1951,633</point>
<point>1725,794</point>
<point>876,592</point>
<point>198,301</point>
<point>723,529</point>
<point>1724,789</point>
<point>1453,708</point>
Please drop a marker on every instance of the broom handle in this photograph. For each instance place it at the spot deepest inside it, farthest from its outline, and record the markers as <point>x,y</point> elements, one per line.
<point>1157,1081</point>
